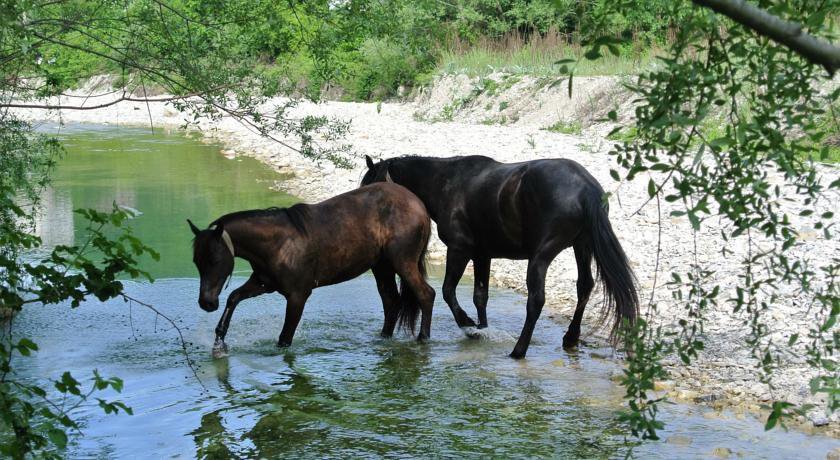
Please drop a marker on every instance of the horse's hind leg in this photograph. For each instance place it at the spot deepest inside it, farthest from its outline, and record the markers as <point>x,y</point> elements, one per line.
<point>387,287</point>
<point>456,262</point>
<point>537,267</point>
<point>425,294</point>
<point>481,270</point>
<point>585,284</point>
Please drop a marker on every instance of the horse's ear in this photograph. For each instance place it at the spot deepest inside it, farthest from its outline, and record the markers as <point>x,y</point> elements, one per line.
<point>369,162</point>
<point>194,229</point>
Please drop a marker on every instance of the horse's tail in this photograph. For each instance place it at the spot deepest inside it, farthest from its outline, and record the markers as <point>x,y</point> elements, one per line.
<point>621,301</point>
<point>409,303</point>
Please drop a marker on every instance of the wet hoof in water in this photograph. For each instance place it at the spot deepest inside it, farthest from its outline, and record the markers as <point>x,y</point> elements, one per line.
<point>569,344</point>
<point>220,349</point>
<point>283,344</point>
<point>482,326</point>
<point>472,332</point>
<point>516,355</point>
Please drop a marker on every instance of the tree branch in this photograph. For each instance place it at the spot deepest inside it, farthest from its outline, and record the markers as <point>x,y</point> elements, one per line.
<point>90,107</point>
<point>787,33</point>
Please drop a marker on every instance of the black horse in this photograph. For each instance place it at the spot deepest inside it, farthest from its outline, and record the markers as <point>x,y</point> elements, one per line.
<point>383,227</point>
<point>530,210</point>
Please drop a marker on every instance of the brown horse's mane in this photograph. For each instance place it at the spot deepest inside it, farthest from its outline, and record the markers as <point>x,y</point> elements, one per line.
<point>297,214</point>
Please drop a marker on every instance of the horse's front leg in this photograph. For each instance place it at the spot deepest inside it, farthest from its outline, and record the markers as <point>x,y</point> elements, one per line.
<point>481,271</point>
<point>251,288</point>
<point>294,310</point>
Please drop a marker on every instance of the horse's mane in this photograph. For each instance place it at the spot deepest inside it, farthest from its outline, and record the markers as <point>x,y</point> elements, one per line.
<point>297,215</point>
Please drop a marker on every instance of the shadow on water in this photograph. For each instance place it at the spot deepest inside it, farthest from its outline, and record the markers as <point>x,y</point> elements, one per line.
<point>340,390</point>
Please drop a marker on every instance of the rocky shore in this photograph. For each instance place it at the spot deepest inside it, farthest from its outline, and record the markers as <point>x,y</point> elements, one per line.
<point>461,116</point>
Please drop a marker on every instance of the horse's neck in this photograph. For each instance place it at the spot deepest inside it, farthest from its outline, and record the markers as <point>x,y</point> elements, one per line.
<point>243,236</point>
<point>424,177</point>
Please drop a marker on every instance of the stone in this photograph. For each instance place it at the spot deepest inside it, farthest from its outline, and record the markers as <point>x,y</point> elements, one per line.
<point>708,398</point>
<point>721,452</point>
<point>818,419</point>
<point>663,385</point>
<point>687,395</point>
<point>679,440</point>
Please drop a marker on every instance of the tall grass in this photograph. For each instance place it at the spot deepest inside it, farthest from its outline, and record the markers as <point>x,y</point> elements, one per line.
<point>536,55</point>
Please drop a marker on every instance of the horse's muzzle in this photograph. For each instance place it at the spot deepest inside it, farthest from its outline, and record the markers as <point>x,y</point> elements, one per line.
<point>209,305</point>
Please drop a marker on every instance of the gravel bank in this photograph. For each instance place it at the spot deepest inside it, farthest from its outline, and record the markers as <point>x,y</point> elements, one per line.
<point>457,117</point>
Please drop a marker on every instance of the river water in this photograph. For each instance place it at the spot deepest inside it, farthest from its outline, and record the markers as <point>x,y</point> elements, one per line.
<point>340,391</point>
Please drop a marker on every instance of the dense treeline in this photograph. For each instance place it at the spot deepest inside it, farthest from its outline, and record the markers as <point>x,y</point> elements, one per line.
<point>368,48</point>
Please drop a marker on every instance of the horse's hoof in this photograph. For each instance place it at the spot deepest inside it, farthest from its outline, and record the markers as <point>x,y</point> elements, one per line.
<point>220,349</point>
<point>571,340</point>
<point>516,355</point>
<point>471,332</point>
<point>283,344</point>
<point>482,326</point>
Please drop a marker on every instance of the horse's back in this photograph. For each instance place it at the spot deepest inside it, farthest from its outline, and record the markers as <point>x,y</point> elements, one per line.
<point>349,233</point>
<point>513,205</point>
<point>379,211</point>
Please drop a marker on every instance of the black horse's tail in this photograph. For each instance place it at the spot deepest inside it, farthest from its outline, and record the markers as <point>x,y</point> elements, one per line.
<point>621,301</point>
<point>409,303</point>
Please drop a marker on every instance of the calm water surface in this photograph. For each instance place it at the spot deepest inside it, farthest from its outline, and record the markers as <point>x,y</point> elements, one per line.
<point>340,391</point>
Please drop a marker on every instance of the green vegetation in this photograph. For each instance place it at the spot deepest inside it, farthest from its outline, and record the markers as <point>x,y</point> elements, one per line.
<point>723,110</point>
<point>364,49</point>
<point>537,57</point>
<point>565,127</point>
<point>205,57</point>
<point>226,58</point>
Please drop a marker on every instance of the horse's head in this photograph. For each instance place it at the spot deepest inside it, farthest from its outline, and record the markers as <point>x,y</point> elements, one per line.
<point>213,256</point>
<point>377,172</point>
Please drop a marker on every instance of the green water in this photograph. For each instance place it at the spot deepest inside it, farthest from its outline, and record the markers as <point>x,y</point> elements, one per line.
<point>168,178</point>
<point>340,391</point>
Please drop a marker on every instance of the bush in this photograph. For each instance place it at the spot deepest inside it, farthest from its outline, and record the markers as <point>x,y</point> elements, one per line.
<point>384,66</point>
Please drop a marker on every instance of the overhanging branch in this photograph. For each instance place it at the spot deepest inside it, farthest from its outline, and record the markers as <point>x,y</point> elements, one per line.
<point>787,33</point>
<point>14,105</point>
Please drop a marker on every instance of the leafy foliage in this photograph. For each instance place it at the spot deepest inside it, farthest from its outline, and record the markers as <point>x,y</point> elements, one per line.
<point>746,174</point>
<point>191,50</point>
<point>32,420</point>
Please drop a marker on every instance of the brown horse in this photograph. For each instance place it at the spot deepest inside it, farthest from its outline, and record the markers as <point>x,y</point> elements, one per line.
<point>294,250</point>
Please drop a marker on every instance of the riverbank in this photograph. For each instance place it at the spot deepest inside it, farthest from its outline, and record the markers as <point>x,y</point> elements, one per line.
<point>452,118</point>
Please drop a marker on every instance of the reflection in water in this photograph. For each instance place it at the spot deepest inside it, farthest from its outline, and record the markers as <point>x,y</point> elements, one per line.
<point>340,391</point>
<point>166,177</point>
<point>54,219</point>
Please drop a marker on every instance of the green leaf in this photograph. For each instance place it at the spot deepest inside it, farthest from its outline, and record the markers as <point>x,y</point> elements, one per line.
<point>57,437</point>
<point>772,419</point>
<point>695,221</point>
<point>24,342</point>
<point>651,189</point>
